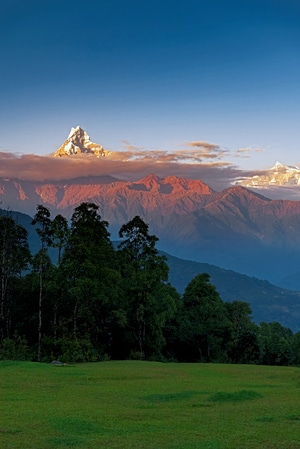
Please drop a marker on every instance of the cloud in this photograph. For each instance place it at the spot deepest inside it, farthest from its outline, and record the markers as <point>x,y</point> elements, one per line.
<point>131,147</point>
<point>246,152</point>
<point>205,145</point>
<point>127,165</point>
<point>196,152</point>
<point>198,160</point>
<point>207,150</point>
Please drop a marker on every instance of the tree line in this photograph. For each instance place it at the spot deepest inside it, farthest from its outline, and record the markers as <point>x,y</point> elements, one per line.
<point>83,298</point>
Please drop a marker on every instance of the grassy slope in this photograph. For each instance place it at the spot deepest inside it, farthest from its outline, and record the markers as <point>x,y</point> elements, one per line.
<point>148,405</point>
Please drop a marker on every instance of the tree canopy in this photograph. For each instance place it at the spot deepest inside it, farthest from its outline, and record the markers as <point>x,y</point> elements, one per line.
<point>82,297</point>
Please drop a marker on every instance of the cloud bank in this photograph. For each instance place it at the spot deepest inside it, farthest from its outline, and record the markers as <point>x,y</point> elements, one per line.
<point>130,164</point>
<point>198,160</point>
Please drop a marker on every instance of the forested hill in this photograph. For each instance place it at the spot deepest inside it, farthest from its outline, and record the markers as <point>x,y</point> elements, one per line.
<point>94,301</point>
<point>268,302</point>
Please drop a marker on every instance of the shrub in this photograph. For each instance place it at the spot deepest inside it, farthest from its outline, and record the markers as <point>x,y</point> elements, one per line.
<point>77,351</point>
<point>14,349</point>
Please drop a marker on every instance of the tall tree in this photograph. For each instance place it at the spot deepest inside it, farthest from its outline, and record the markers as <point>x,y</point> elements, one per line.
<point>90,278</point>
<point>60,234</point>
<point>14,257</point>
<point>43,221</point>
<point>242,346</point>
<point>204,327</point>
<point>296,348</point>
<point>275,344</point>
<point>148,303</point>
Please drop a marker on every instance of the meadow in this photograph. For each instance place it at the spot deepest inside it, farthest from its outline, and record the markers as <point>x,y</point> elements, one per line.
<point>149,405</point>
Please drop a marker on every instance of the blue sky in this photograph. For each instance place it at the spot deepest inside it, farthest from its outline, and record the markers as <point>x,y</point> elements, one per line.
<point>153,75</point>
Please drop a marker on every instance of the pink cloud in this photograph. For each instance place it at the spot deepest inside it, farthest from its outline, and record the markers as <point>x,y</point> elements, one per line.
<point>128,164</point>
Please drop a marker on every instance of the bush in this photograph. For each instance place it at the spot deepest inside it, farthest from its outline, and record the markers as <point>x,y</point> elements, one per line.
<point>77,351</point>
<point>14,349</point>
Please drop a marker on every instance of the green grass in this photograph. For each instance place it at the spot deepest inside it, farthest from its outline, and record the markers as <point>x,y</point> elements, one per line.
<point>148,405</point>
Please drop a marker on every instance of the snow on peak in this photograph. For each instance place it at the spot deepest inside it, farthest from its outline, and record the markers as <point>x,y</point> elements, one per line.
<point>278,175</point>
<point>280,166</point>
<point>77,143</point>
<point>75,131</point>
<point>277,165</point>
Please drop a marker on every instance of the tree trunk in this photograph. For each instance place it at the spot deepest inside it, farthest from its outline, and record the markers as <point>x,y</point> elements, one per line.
<point>39,355</point>
<point>3,292</point>
<point>75,320</point>
<point>142,333</point>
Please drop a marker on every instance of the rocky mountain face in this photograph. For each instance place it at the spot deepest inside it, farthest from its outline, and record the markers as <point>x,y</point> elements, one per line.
<point>235,228</point>
<point>78,142</point>
<point>279,175</point>
<point>118,200</point>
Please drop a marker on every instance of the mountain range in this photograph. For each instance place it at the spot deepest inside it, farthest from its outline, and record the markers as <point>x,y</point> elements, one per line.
<point>236,228</point>
<point>244,240</point>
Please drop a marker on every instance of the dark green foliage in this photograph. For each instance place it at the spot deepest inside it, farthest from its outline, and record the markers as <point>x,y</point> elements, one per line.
<point>204,326</point>
<point>242,346</point>
<point>14,349</point>
<point>296,348</point>
<point>89,282</point>
<point>100,303</point>
<point>60,234</point>
<point>14,258</point>
<point>148,300</point>
<point>43,222</point>
<point>72,350</point>
<point>276,344</point>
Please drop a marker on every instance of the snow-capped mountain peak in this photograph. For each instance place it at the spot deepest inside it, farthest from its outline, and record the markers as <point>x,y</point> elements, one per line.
<point>277,166</point>
<point>78,142</point>
<point>278,175</point>
<point>287,168</point>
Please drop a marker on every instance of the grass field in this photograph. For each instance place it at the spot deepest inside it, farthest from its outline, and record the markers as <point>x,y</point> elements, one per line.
<point>148,405</point>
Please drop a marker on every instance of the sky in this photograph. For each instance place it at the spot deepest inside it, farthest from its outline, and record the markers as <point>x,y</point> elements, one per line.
<point>217,78</point>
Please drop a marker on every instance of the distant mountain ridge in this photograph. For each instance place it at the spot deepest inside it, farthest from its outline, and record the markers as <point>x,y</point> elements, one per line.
<point>236,228</point>
<point>114,197</point>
